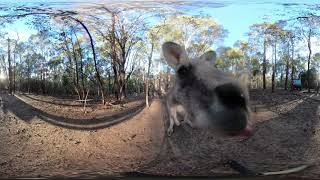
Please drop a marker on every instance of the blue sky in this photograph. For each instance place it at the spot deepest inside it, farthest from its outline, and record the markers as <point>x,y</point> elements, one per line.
<point>235,16</point>
<point>238,16</point>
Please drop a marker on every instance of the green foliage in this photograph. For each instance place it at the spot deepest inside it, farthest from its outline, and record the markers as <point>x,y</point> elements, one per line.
<point>300,64</point>
<point>67,84</point>
<point>316,61</point>
<point>256,66</point>
<point>232,59</point>
<point>197,34</point>
<point>313,75</point>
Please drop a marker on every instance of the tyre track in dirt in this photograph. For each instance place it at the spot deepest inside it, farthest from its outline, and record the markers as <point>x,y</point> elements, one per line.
<point>85,124</point>
<point>31,147</point>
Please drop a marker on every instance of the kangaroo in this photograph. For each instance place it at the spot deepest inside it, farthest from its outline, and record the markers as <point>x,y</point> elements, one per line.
<point>205,96</point>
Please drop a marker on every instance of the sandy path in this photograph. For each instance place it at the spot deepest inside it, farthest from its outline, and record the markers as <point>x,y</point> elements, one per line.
<point>286,134</point>
<point>37,148</point>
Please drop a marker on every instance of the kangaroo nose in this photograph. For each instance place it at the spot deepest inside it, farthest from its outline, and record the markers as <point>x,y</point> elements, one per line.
<point>230,95</point>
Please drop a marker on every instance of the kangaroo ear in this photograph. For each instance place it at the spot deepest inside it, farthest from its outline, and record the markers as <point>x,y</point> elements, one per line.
<point>209,56</point>
<point>174,53</point>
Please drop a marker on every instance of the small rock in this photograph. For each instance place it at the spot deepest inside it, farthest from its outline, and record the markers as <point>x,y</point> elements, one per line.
<point>77,142</point>
<point>133,136</point>
<point>19,155</point>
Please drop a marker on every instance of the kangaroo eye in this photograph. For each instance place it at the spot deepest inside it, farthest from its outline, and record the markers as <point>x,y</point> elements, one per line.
<point>185,75</point>
<point>184,71</point>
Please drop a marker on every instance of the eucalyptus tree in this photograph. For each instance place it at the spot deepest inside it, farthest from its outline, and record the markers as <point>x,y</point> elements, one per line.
<point>121,31</point>
<point>308,30</point>
<point>245,49</point>
<point>197,33</point>
<point>277,36</point>
<point>40,18</point>
<point>259,33</point>
<point>223,61</point>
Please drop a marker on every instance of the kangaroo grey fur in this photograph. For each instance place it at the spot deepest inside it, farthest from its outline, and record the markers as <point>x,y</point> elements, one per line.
<point>205,96</point>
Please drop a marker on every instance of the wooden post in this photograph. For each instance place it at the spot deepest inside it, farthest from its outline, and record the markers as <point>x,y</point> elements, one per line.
<point>85,102</point>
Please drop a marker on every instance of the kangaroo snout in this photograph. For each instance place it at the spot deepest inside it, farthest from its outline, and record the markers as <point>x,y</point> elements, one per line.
<point>233,115</point>
<point>231,96</point>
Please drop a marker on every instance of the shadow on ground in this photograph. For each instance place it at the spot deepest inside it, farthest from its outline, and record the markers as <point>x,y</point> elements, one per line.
<point>26,112</point>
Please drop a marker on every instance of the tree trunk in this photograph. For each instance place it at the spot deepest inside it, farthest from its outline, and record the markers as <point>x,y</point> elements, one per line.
<point>29,77</point>
<point>287,69</point>
<point>292,62</point>
<point>274,68</point>
<point>117,65</point>
<point>14,70</point>
<point>83,88</point>
<point>44,80</point>
<point>281,73</point>
<point>116,86</point>
<point>10,70</point>
<point>20,74</point>
<point>76,64</point>
<point>82,73</point>
<point>98,76</point>
<point>148,75</point>
<point>109,82</point>
<point>139,82</point>
<point>264,71</point>
<point>72,72</point>
<point>121,83</point>
<point>287,75</point>
<point>309,58</point>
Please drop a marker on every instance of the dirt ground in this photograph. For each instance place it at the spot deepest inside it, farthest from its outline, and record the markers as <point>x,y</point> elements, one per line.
<point>50,137</point>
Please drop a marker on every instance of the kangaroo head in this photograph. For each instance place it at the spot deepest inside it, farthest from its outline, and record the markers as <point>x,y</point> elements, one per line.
<point>211,97</point>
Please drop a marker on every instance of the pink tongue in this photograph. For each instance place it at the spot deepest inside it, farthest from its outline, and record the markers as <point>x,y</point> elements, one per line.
<point>247,132</point>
